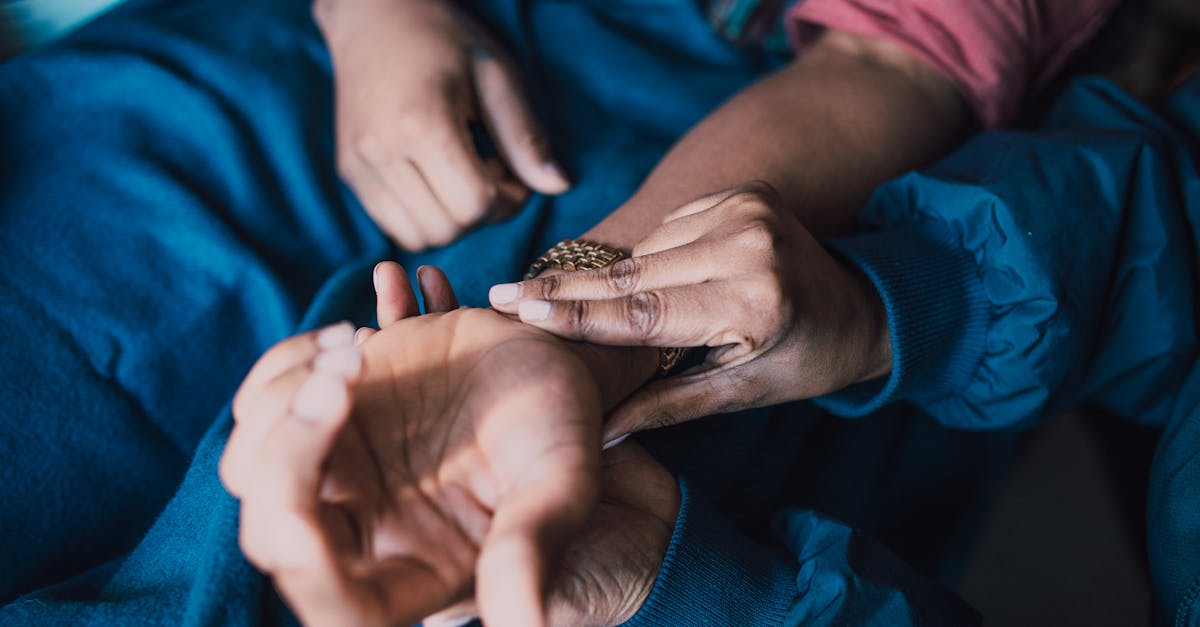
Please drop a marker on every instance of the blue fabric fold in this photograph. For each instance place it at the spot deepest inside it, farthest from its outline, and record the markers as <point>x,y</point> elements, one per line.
<point>169,208</point>
<point>1069,238</point>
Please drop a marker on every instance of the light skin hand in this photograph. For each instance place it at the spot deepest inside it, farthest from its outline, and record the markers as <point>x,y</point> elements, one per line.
<point>734,272</point>
<point>379,482</point>
<point>409,77</point>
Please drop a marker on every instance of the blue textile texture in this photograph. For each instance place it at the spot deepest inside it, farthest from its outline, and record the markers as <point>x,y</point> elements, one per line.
<point>169,208</point>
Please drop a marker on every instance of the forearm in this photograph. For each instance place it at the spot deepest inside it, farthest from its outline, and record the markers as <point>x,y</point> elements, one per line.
<point>824,131</point>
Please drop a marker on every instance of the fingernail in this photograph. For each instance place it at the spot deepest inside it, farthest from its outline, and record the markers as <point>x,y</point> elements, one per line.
<point>336,336</point>
<point>375,276</point>
<point>615,442</point>
<point>293,542</point>
<point>504,293</point>
<point>534,310</point>
<point>361,336</point>
<point>450,622</point>
<point>345,362</point>
<point>319,397</point>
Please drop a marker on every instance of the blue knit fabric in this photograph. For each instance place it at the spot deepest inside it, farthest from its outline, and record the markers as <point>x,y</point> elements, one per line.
<point>936,314</point>
<point>169,208</point>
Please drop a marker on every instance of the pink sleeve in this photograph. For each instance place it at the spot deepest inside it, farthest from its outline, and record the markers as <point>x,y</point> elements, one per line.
<point>996,51</point>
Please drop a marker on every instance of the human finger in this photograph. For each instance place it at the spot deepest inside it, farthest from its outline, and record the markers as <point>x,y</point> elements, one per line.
<point>432,218</point>
<point>363,334</point>
<point>511,193</point>
<point>281,528</point>
<point>671,317</point>
<point>521,548</point>
<point>519,136</point>
<point>436,290</point>
<point>669,268</point>
<point>384,207</point>
<point>394,298</point>
<point>286,355</point>
<point>707,225</point>
<point>459,176</point>
<point>676,399</point>
<point>332,353</point>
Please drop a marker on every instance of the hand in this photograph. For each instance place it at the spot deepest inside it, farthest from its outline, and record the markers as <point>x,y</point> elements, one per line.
<point>409,77</point>
<point>453,463</point>
<point>608,570</point>
<point>733,271</point>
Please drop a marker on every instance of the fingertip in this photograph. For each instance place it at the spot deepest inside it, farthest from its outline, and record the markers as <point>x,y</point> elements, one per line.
<point>335,336</point>
<point>362,335</point>
<point>504,295</point>
<point>383,274</point>
<point>610,443</point>
<point>510,574</point>
<point>553,180</point>
<point>323,397</point>
<point>534,310</point>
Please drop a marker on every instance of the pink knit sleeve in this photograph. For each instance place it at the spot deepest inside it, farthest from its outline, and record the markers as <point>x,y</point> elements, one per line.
<point>995,51</point>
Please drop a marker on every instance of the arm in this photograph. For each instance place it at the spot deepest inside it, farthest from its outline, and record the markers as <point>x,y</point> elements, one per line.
<point>847,114</point>
<point>851,111</point>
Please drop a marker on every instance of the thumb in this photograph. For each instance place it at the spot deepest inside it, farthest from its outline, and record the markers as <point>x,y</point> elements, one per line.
<point>671,401</point>
<point>519,552</point>
<point>519,137</point>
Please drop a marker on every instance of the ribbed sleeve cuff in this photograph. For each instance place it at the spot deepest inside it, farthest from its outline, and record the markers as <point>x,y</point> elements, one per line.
<point>712,575</point>
<point>936,312</point>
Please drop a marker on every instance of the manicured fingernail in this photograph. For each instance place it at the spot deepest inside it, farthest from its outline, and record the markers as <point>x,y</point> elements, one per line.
<point>361,335</point>
<point>504,293</point>
<point>612,443</point>
<point>336,336</point>
<point>320,397</point>
<point>450,622</point>
<point>293,542</point>
<point>534,310</point>
<point>343,362</point>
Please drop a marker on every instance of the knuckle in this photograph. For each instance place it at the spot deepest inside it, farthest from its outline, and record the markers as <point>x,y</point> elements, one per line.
<point>480,202</point>
<point>363,146</point>
<point>254,553</point>
<point>756,234</point>
<point>644,313</point>
<point>322,11</point>
<point>758,191</point>
<point>548,287</point>
<point>228,475</point>
<point>764,295</point>
<point>624,276</point>
<point>577,317</point>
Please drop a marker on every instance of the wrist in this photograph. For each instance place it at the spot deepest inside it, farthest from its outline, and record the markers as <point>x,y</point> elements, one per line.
<point>872,333</point>
<point>617,370</point>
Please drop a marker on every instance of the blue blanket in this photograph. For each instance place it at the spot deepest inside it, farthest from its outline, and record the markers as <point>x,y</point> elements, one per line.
<point>170,208</point>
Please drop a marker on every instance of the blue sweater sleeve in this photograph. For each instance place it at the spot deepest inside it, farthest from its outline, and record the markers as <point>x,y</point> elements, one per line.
<point>829,575</point>
<point>1029,271</point>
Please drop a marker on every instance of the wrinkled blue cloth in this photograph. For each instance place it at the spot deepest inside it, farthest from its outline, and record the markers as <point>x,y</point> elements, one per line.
<point>169,208</point>
<point>1063,267</point>
<point>1031,271</point>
